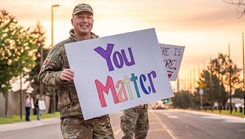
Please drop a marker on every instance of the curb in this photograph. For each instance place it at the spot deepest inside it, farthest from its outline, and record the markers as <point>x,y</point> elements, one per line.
<point>207,113</point>
<point>29,124</point>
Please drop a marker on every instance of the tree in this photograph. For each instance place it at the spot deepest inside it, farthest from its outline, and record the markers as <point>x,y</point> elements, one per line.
<point>38,33</point>
<point>16,50</point>
<point>240,5</point>
<point>221,77</point>
<point>182,100</point>
<point>197,99</point>
<point>210,80</point>
<point>238,93</point>
<point>40,39</point>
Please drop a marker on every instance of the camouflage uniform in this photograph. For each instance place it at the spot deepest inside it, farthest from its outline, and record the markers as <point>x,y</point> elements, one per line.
<point>134,122</point>
<point>73,126</point>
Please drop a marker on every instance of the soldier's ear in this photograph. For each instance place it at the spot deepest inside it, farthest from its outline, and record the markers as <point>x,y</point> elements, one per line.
<point>72,21</point>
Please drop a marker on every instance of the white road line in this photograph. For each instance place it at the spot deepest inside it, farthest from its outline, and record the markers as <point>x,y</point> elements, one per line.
<point>164,126</point>
<point>117,131</point>
<point>156,130</point>
<point>173,117</point>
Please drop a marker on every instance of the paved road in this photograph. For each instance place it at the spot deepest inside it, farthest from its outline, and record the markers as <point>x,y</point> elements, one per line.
<point>167,124</point>
<point>196,125</point>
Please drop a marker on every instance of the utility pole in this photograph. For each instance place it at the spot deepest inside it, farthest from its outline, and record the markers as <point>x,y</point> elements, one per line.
<point>203,66</point>
<point>220,83</point>
<point>211,88</point>
<point>178,85</point>
<point>243,73</point>
<point>187,83</point>
<point>194,79</point>
<point>191,82</point>
<point>229,58</point>
<point>199,73</point>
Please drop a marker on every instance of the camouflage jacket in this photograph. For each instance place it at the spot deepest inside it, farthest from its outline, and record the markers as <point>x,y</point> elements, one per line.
<point>49,74</point>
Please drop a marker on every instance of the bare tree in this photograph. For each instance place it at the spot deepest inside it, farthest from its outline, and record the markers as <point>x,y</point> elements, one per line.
<point>240,4</point>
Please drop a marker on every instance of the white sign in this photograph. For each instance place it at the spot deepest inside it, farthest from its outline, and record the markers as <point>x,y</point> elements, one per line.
<point>118,72</point>
<point>32,104</point>
<point>201,91</point>
<point>172,57</point>
<point>41,105</point>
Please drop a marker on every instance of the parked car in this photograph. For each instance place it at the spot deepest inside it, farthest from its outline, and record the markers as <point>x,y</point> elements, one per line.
<point>158,105</point>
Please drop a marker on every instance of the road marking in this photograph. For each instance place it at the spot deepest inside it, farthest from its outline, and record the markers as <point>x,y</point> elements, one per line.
<point>173,117</point>
<point>164,113</point>
<point>156,130</point>
<point>168,115</point>
<point>117,131</point>
<point>164,126</point>
<point>153,122</point>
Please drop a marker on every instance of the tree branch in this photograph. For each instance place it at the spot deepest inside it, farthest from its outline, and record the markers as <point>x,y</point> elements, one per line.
<point>239,3</point>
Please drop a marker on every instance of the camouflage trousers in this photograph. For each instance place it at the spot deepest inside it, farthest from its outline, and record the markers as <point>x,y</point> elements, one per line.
<point>78,128</point>
<point>134,122</point>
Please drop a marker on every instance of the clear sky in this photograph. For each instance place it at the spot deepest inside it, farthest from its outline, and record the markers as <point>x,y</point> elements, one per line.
<point>204,27</point>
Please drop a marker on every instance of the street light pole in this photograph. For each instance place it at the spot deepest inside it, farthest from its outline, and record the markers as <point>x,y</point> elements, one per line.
<point>52,23</point>
<point>52,43</point>
<point>41,49</point>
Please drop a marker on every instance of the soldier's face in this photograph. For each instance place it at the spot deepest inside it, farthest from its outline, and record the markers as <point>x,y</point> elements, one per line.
<point>82,23</point>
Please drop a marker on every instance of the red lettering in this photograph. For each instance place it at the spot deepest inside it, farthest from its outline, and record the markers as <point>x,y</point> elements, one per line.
<point>101,88</point>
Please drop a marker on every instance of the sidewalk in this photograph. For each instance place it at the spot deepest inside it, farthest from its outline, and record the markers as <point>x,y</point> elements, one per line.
<point>207,113</point>
<point>30,124</point>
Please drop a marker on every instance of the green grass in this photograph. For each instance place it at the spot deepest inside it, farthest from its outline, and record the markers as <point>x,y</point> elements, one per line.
<point>226,112</point>
<point>16,118</point>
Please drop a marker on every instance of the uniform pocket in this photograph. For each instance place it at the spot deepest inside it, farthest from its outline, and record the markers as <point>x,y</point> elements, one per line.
<point>64,60</point>
<point>73,95</point>
<point>64,99</point>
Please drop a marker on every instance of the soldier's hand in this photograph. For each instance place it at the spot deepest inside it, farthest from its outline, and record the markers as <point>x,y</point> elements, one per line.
<point>66,75</point>
<point>139,106</point>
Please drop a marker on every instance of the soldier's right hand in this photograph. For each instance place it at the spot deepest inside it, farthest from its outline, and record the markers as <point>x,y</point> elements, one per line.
<point>139,106</point>
<point>66,75</point>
